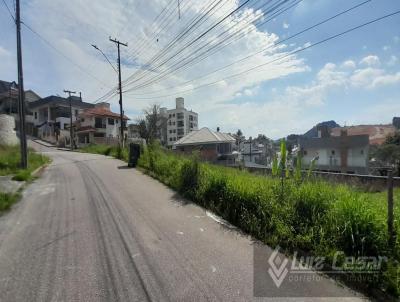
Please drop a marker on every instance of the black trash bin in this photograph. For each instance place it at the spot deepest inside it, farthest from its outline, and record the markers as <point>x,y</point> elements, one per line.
<point>134,154</point>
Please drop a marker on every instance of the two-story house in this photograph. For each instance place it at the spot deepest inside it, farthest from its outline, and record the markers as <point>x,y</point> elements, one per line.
<point>99,125</point>
<point>9,103</point>
<point>51,117</point>
<point>344,153</point>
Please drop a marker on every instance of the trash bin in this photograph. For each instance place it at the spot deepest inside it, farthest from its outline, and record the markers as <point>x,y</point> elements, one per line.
<point>134,154</point>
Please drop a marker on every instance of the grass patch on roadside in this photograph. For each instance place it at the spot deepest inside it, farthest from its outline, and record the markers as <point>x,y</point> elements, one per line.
<point>10,162</point>
<point>7,200</point>
<point>311,215</point>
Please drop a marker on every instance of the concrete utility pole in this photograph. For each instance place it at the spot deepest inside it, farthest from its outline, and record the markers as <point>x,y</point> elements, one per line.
<point>120,88</point>
<point>70,117</point>
<point>21,93</point>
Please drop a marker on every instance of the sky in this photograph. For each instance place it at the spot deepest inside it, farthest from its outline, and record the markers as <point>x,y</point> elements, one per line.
<point>353,79</point>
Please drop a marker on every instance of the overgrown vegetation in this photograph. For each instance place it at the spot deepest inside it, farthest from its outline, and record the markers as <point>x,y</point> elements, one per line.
<point>308,214</point>
<point>114,151</point>
<point>10,162</point>
<point>7,200</point>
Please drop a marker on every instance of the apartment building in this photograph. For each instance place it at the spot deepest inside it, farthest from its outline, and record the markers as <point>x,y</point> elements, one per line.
<point>180,122</point>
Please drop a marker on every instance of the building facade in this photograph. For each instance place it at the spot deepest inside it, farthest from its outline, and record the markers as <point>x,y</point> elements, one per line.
<point>9,104</point>
<point>99,125</point>
<point>344,153</point>
<point>51,117</point>
<point>179,122</point>
<point>212,146</point>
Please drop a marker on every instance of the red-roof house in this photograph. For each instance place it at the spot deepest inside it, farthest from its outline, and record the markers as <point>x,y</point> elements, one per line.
<point>99,125</point>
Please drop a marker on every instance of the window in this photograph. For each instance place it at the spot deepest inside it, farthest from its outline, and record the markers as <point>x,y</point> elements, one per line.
<point>305,152</point>
<point>180,124</point>
<point>111,121</point>
<point>362,152</point>
<point>99,122</point>
<point>96,134</point>
<point>180,132</point>
<point>179,116</point>
<point>333,152</point>
<point>35,115</point>
<point>191,125</point>
<point>76,112</point>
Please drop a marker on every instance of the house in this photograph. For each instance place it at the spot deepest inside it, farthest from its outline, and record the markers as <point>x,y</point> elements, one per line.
<point>99,125</point>
<point>212,146</point>
<point>51,117</point>
<point>179,122</point>
<point>344,153</point>
<point>252,151</point>
<point>9,103</point>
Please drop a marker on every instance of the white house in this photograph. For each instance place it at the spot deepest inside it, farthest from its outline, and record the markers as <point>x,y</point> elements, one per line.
<point>99,125</point>
<point>344,153</point>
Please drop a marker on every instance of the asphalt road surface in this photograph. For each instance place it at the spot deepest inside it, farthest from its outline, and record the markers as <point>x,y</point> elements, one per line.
<point>92,230</point>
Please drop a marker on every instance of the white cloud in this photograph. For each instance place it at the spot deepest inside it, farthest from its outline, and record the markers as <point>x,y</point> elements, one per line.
<point>285,25</point>
<point>387,79</point>
<point>350,64</point>
<point>386,47</point>
<point>75,25</point>
<point>370,60</point>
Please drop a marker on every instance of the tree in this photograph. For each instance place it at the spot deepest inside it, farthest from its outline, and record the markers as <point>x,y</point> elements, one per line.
<point>389,151</point>
<point>151,126</point>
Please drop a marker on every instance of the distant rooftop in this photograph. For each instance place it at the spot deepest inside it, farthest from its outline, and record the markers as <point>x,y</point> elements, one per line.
<point>204,136</point>
<point>60,101</point>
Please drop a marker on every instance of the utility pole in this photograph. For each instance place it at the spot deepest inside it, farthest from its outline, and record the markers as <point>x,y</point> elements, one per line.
<point>21,93</point>
<point>70,117</point>
<point>120,88</point>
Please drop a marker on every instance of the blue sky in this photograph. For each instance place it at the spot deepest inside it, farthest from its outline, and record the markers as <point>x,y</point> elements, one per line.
<point>353,79</point>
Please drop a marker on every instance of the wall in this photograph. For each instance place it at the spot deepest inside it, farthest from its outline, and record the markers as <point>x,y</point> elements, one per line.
<point>7,133</point>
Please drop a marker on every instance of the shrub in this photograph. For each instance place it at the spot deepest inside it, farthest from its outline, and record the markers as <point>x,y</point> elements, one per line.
<point>311,215</point>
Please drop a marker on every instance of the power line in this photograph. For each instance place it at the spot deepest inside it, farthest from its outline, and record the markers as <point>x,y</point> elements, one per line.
<point>217,45</point>
<point>63,55</point>
<point>282,57</point>
<point>270,46</point>
<point>8,9</point>
<point>180,35</point>
<point>206,32</point>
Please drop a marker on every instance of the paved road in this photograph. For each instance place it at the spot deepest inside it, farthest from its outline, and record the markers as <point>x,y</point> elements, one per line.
<point>91,230</point>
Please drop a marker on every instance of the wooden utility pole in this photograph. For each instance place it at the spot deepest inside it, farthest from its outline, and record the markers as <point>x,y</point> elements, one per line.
<point>21,93</point>
<point>120,89</point>
<point>70,117</point>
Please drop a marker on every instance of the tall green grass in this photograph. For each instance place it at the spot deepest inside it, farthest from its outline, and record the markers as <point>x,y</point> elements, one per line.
<point>10,162</point>
<point>311,215</point>
<point>7,200</point>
